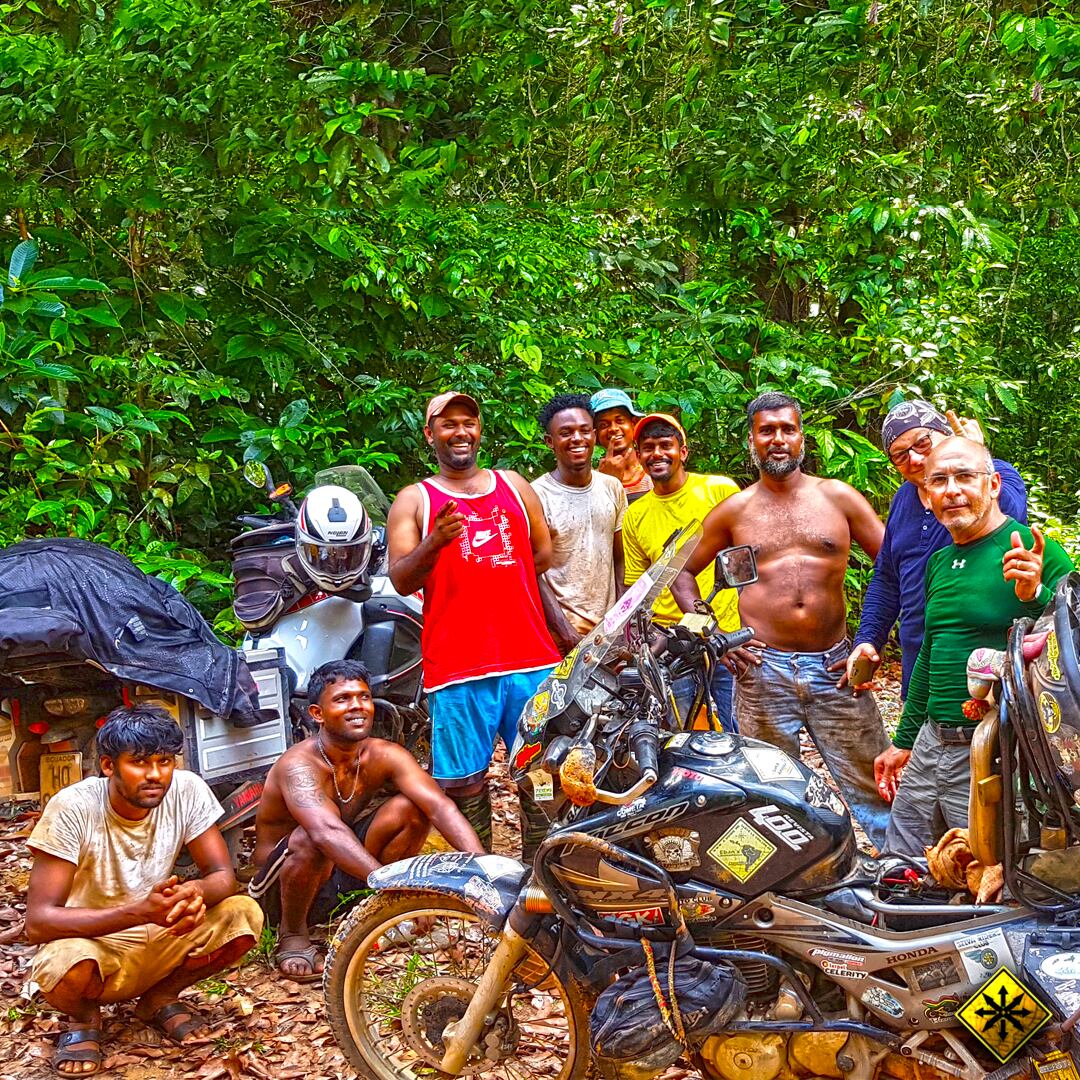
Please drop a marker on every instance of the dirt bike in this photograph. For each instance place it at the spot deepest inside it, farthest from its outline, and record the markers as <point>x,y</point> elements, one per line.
<point>700,895</point>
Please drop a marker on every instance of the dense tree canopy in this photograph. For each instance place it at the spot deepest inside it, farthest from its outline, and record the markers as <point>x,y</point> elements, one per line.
<point>273,229</point>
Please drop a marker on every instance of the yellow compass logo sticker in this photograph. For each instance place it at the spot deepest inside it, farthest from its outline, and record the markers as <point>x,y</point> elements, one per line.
<point>1003,1014</point>
<point>742,850</point>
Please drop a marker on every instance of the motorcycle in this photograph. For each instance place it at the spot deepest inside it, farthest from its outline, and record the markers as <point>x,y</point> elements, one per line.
<point>281,608</point>
<point>700,894</point>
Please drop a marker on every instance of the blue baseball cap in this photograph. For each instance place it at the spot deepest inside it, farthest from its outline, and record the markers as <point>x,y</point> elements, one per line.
<point>612,399</point>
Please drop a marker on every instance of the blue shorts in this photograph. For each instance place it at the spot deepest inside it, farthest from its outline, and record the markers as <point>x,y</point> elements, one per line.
<point>467,716</point>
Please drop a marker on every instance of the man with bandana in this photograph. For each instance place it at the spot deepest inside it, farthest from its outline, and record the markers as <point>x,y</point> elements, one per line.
<point>802,527</point>
<point>912,534</point>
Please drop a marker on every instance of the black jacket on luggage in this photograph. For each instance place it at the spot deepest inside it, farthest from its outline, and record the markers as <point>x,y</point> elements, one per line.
<point>83,600</point>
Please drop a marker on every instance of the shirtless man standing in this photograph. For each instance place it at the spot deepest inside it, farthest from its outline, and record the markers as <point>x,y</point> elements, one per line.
<point>801,528</point>
<point>318,833</point>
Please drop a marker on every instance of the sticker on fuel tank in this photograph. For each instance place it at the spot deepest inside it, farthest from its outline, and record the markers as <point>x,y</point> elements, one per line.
<point>742,851</point>
<point>534,722</point>
<point>771,764</point>
<point>781,825</point>
<point>675,849</point>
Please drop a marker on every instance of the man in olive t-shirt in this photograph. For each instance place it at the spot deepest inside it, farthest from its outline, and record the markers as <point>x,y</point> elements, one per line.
<point>996,570</point>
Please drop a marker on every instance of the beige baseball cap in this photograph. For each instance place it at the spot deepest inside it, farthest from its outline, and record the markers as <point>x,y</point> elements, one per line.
<point>440,401</point>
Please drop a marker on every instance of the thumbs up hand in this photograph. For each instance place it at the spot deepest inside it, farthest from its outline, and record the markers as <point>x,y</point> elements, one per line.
<point>1023,567</point>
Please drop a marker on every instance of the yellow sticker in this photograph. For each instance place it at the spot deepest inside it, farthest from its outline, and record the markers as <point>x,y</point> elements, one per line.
<point>742,850</point>
<point>1053,655</point>
<point>1003,1014</point>
<point>1057,1065</point>
<point>564,665</point>
<point>1050,712</point>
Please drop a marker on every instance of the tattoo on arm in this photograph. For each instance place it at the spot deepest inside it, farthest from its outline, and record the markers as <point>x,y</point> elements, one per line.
<point>305,788</point>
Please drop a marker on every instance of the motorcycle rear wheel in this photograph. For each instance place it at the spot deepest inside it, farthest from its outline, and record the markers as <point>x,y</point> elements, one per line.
<point>369,976</point>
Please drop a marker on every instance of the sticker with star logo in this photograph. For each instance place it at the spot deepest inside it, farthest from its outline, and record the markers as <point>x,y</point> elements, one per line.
<point>1003,1014</point>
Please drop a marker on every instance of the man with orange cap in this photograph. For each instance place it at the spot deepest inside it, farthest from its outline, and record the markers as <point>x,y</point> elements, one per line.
<point>678,498</point>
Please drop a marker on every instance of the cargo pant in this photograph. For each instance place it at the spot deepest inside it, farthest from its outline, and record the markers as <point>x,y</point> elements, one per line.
<point>789,691</point>
<point>933,794</point>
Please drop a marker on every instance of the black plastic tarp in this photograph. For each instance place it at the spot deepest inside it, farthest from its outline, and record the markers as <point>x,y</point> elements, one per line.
<point>70,596</point>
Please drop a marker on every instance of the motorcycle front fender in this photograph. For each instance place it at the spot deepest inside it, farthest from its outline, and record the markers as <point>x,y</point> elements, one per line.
<point>488,884</point>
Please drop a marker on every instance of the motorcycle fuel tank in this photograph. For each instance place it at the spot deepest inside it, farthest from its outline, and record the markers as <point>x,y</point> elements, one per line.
<point>728,814</point>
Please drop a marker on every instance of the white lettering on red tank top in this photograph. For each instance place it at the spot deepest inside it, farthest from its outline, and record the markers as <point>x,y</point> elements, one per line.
<point>482,609</point>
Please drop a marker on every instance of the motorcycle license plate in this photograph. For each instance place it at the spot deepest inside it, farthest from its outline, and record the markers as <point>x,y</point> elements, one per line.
<point>58,771</point>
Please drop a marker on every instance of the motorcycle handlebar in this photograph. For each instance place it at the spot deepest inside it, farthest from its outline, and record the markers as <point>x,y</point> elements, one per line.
<point>736,639</point>
<point>644,745</point>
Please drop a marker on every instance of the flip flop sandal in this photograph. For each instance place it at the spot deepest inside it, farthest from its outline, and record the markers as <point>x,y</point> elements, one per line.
<point>180,1031</point>
<point>310,954</point>
<point>92,1054</point>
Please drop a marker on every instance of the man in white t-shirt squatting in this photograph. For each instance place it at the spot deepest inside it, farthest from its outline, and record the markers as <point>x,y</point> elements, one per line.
<point>584,510</point>
<point>113,921</point>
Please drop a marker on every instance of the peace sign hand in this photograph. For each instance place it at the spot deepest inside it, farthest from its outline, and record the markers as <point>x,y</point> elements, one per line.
<point>1023,567</point>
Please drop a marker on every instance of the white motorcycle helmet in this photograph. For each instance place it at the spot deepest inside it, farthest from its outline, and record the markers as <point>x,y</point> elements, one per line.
<point>333,537</point>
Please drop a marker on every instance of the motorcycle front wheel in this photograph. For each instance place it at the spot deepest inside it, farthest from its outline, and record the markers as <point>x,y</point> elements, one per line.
<point>402,966</point>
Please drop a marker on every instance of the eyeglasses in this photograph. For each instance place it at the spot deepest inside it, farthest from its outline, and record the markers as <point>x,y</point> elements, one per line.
<point>965,478</point>
<point>921,446</point>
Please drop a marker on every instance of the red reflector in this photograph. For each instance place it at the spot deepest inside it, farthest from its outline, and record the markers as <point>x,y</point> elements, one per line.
<point>100,721</point>
<point>306,601</point>
<point>39,727</point>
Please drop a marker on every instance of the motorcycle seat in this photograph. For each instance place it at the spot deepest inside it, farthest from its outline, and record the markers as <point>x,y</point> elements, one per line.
<point>27,633</point>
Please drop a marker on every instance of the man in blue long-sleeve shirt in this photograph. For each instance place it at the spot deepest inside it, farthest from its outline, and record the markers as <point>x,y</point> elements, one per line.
<point>912,534</point>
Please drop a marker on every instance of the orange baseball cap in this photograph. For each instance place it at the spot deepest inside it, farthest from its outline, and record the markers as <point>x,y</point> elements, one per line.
<point>440,401</point>
<point>666,417</point>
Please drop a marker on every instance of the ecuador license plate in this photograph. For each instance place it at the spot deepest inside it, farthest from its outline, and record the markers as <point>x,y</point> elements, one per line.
<point>58,771</point>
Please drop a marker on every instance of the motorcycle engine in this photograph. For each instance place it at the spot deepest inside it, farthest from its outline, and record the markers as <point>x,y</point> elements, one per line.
<point>772,1054</point>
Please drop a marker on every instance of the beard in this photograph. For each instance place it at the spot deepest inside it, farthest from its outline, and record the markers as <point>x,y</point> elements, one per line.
<point>777,470</point>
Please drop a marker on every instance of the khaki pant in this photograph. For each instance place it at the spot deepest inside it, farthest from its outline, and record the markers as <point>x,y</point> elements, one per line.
<point>131,961</point>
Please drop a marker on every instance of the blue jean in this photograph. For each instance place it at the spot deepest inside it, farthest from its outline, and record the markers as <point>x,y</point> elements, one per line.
<point>722,686</point>
<point>790,691</point>
<point>466,718</point>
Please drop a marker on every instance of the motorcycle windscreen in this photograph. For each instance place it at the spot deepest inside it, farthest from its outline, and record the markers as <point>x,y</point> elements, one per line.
<point>567,683</point>
<point>362,484</point>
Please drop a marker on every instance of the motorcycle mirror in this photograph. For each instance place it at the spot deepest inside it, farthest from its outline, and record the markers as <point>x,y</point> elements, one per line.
<point>737,566</point>
<point>258,475</point>
<point>576,775</point>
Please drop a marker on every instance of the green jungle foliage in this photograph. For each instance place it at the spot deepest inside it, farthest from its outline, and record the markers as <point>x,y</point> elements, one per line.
<point>272,230</point>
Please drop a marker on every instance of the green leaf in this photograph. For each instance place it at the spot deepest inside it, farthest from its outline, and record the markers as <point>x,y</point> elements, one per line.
<point>172,307</point>
<point>100,314</point>
<point>22,261</point>
<point>294,414</point>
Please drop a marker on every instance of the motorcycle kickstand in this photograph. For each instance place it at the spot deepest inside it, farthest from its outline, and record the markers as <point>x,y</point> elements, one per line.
<point>460,1037</point>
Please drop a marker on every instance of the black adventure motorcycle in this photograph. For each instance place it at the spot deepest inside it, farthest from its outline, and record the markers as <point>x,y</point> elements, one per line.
<point>700,894</point>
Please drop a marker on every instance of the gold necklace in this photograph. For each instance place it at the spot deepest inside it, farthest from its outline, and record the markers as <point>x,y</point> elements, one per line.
<point>333,772</point>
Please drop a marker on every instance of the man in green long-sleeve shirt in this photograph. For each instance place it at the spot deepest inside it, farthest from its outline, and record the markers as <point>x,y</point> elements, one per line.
<point>996,570</point>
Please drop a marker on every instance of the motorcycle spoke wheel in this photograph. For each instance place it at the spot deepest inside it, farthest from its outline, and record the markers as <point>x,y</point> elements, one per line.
<point>405,965</point>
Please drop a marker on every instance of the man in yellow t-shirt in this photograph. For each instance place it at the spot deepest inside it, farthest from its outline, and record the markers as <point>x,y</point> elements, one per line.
<point>678,498</point>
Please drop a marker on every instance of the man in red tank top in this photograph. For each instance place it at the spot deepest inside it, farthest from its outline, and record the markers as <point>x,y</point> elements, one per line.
<point>474,541</point>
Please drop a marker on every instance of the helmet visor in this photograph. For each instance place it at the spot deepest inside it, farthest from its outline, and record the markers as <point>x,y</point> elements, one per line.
<point>336,564</point>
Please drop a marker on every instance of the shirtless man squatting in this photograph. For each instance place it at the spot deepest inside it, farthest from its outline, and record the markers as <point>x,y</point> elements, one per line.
<point>801,528</point>
<point>321,828</point>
